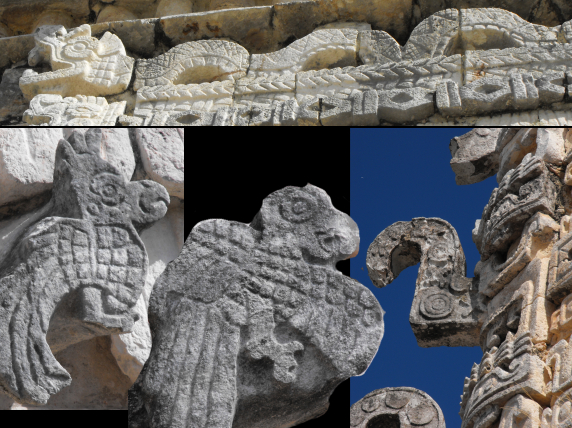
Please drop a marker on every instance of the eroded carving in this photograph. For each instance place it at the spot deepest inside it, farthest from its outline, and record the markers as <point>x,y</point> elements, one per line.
<point>396,407</point>
<point>265,297</point>
<point>77,272</point>
<point>445,308</point>
<point>52,110</point>
<point>81,64</point>
<point>193,62</point>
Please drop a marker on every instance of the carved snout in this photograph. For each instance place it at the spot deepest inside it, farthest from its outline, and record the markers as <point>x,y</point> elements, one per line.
<point>148,201</point>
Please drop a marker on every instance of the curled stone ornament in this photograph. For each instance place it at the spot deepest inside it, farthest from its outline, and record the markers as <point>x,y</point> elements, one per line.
<point>437,305</point>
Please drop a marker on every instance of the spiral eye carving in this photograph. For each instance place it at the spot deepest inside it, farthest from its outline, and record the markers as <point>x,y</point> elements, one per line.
<point>109,187</point>
<point>299,208</point>
<point>80,48</point>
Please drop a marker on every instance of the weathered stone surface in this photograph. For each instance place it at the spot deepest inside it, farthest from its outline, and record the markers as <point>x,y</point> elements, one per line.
<point>26,162</point>
<point>474,155</point>
<point>163,242</point>
<point>85,259</point>
<point>319,50</point>
<point>193,62</point>
<point>378,47</point>
<point>504,372</point>
<point>523,191</point>
<point>280,326</point>
<point>396,407</point>
<point>405,105</point>
<point>560,414</point>
<point>13,102</point>
<point>163,157</point>
<point>115,148</point>
<point>51,110</point>
<point>445,308</point>
<point>81,64</point>
<point>97,383</point>
<point>521,410</point>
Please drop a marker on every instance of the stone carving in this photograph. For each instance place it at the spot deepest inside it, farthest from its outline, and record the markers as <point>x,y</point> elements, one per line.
<point>396,407</point>
<point>489,94</point>
<point>445,308</point>
<point>207,97</point>
<point>523,191</point>
<point>270,308</point>
<point>504,372</point>
<point>560,414</point>
<point>51,110</point>
<point>521,411</point>
<point>518,307</point>
<point>193,62</point>
<point>85,258</point>
<point>81,64</point>
<point>318,50</point>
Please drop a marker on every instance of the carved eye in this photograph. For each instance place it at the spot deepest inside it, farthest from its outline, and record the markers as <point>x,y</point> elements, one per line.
<point>300,207</point>
<point>80,48</point>
<point>109,187</point>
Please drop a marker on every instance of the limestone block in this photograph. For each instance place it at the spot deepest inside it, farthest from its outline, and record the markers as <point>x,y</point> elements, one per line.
<point>26,162</point>
<point>502,374</point>
<point>13,102</point>
<point>405,105</point>
<point>538,237</point>
<point>237,284</point>
<point>536,60</point>
<point>224,116</point>
<point>81,64</point>
<point>523,191</point>
<point>179,7</point>
<point>111,12</point>
<point>289,112</point>
<point>250,26</point>
<point>559,361</point>
<point>318,50</point>
<point>81,110</point>
<point>433,37</point>
<point>425,73</point>
<point>163,157</point>
<point>521,411</point>
<point>519,307</point>
<point>445,309</point>
<point>207,97</point>
<point>396,407</point>
<point>560,283</point>
<point>163,242</point>
<point>264,90</point>
<point>23,16</point>
<point>378,47</point>
<point>137,36</point>
<point>193,62</point>
<point>490,28</point>
<point>561,321</point>
<point>87,260</point>
<point>474,155</point>
<point>560,414</point>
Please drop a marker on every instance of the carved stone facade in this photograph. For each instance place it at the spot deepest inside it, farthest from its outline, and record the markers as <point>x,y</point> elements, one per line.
<point>88,220</point>
<point>262,62</point>
<point>518,307</point>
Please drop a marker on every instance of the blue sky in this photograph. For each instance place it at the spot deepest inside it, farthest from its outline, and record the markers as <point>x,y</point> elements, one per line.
<point>395,175</point>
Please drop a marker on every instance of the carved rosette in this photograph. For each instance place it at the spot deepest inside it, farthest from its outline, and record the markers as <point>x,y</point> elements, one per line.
<point>396,407</point>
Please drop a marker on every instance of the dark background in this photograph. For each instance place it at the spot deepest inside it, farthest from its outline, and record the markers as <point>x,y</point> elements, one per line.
<point>231,184</point>
<point>396,175</point>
